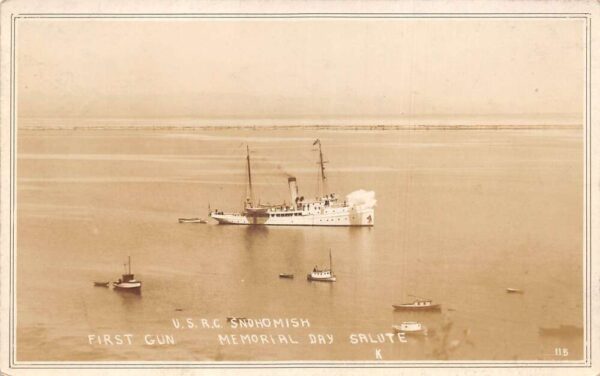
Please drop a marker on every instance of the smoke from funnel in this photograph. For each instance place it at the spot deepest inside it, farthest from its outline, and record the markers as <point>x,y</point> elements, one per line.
<point>283,171</point>
<point>361,198</point>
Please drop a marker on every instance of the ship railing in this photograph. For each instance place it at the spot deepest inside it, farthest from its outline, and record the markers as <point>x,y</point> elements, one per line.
<point>225,213</point>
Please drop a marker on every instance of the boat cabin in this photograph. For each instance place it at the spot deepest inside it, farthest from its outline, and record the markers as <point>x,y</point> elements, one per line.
<point>411,326</point>
<point>422,302</point>
<point>316,273</point>
<point>127,278</point>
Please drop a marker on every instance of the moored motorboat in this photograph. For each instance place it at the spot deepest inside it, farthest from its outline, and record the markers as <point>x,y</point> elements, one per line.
<point>418,305</point>
<point>127,282</point>
<point>322,275</point>
<point>410,328</point>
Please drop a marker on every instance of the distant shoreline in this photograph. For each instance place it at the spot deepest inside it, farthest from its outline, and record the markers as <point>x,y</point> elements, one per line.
<point>303,127</point>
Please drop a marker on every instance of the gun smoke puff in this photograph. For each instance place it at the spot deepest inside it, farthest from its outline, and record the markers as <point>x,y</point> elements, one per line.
<point>361,198</point>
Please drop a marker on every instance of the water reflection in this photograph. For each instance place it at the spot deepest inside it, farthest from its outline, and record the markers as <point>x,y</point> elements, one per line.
<point>129,299</point>
<point>255,236</point>
<point>130,309</point>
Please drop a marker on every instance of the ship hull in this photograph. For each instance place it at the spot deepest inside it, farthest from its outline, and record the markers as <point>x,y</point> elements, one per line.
<point>318,279</point>
<point>335,217</point>
<point>130,289</point>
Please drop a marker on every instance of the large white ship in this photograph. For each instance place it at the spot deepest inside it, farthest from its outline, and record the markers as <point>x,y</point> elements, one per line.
<point>325,210</point>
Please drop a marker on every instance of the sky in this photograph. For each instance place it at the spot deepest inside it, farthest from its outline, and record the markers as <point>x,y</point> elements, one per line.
<point>302,71</point>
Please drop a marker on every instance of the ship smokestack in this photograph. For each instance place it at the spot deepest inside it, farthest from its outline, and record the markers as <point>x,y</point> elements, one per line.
<point>293,191</point>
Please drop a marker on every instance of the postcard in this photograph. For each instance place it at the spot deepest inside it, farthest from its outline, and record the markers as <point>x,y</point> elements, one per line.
<point>286,187</point>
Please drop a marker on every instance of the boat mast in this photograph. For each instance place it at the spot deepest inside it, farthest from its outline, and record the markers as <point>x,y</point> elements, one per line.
<point>129,263</point>
<point>322,168</point>
<point>250,192</point>
<point>330,262</point>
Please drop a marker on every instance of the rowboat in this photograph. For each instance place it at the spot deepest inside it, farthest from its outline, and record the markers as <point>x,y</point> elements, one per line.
<point>101,284</point>
<point>192,220</point>
<point>511,290</point>
<point>418,305</point>
<point>286,275</point>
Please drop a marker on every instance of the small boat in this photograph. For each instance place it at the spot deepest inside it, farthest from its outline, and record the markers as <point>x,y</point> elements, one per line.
<point>562,331</point>
<point>324,275</point>
<point>418,305</point>
<point>101,284</point>
<point>410,328</point>
<point>511,290</point>
<point>286,275</point>
<point>192,220</point>
<point>127,282</point>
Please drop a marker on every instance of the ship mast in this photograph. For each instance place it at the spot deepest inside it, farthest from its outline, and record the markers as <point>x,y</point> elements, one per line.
<point>250,192</point>
<point>330,262</point>
<point>322,168</point>
<point>129,263</point>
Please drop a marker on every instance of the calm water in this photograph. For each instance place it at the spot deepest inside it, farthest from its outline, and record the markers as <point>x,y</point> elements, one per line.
<point>460,216</point>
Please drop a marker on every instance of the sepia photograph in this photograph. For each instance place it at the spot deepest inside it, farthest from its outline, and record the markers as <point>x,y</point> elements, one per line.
<point>283,190</point>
